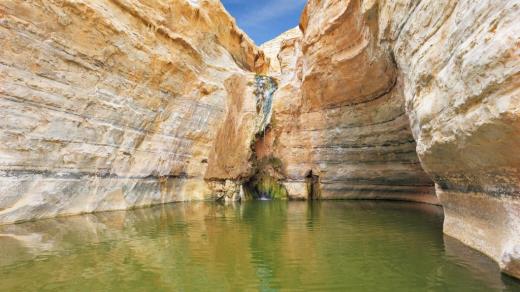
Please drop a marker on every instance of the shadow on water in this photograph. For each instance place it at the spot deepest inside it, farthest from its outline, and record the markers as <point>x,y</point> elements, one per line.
<point>261,245</point>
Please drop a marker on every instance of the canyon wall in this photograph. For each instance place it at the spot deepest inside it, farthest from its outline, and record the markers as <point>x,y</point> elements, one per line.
<point>369,78</point>
<point>115,104</point>
<point>340,113</point>
<point>273,47</point>
<point>461,66</point>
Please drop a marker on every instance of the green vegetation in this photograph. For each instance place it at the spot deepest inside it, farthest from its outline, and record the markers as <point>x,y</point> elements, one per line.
<point>264,183</point>
<point>265,186</point>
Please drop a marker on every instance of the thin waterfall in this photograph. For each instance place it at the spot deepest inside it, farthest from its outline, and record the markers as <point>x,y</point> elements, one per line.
<point>265,88</point>
<point>263,184</point>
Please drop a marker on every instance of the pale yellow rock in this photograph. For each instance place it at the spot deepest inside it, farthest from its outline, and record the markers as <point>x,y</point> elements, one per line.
<point>340,110</point>
<point>113,104</point>
<point>461,62</point>
<point>118,104</point>
<point>449,67</point>
<point>274,46</point>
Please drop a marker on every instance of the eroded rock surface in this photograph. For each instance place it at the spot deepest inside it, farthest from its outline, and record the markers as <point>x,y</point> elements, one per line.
<point>115,104</point>
<point>370,74</point>
<point>273,47</point>
<point>461,62</point>
<point>340,111</point>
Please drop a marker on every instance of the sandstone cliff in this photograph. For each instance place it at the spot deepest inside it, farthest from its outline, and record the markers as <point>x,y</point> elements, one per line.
<point>273,47</point>
<point>116,104</point>
<point>340,112</point>
<point>461,66</point>
<point>367,75</point>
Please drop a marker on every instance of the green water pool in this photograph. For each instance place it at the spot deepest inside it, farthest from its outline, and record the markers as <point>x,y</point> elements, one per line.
<point>254,246</point>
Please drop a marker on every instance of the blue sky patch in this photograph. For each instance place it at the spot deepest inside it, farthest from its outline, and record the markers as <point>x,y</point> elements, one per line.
<point>264,20</point>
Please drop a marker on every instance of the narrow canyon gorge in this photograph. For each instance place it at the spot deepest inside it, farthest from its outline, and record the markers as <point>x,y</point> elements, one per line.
<point>118,104</point>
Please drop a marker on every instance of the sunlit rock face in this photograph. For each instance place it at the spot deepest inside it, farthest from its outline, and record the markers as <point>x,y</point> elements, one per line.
<point>273,47</point>
<point>340,111</point>
<point>115,104</point>
<point>461,62</point>
<point>232,159</point>
<point>374,73</point>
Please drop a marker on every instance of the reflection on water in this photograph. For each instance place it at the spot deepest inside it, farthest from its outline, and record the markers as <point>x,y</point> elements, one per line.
<point>266,246</point>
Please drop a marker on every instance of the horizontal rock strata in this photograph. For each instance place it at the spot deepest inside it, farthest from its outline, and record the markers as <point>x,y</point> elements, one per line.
<point>369,74</point>
<point>113,104</point>
<point>340,113</point>
<point>462,88</point>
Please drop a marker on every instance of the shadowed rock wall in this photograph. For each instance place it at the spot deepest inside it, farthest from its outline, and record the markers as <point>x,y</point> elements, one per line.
<point>461,62</point>
<point>114,104</point>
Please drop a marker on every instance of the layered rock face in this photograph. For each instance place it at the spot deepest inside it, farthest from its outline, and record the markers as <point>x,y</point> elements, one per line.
<point>366,70</point>
<point>273,47</point>
<point>340,113</point>
<point>114,104</point>
<point>117,104</point>
<point>461,62</point>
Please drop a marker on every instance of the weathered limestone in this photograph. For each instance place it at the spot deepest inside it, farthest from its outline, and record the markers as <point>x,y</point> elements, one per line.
<point>231,160</point>
<point>455,65</point>
<point>273,47</point>
<point>114,104</point>
<point>284,140</point>
<point>461,62</point>
<point>340,112</point>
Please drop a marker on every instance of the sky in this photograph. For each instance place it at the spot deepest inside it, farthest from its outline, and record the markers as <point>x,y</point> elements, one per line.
<point>263,20</point>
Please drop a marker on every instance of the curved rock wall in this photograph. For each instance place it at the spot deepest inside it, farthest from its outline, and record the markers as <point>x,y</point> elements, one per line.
<point>341,113</point>
<point>461,62</point>
<point>273,47</point>
<point>370,74</point>
<point>113,104</point>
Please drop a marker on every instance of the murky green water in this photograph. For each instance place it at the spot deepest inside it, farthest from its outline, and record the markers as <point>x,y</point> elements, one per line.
<point>258,246</point>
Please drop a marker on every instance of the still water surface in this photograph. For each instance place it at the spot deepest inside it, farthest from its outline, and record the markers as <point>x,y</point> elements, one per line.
<point>257,246</point>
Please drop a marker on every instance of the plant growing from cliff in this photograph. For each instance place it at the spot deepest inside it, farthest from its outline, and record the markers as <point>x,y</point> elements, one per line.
<point>265,183</point>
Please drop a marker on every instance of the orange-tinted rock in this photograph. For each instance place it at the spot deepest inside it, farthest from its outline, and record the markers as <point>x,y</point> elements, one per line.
<point>273,47</point>
<point>461,65</point>
<point>116,104</point>
<point>340,111</point>
<point>451,68</point>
